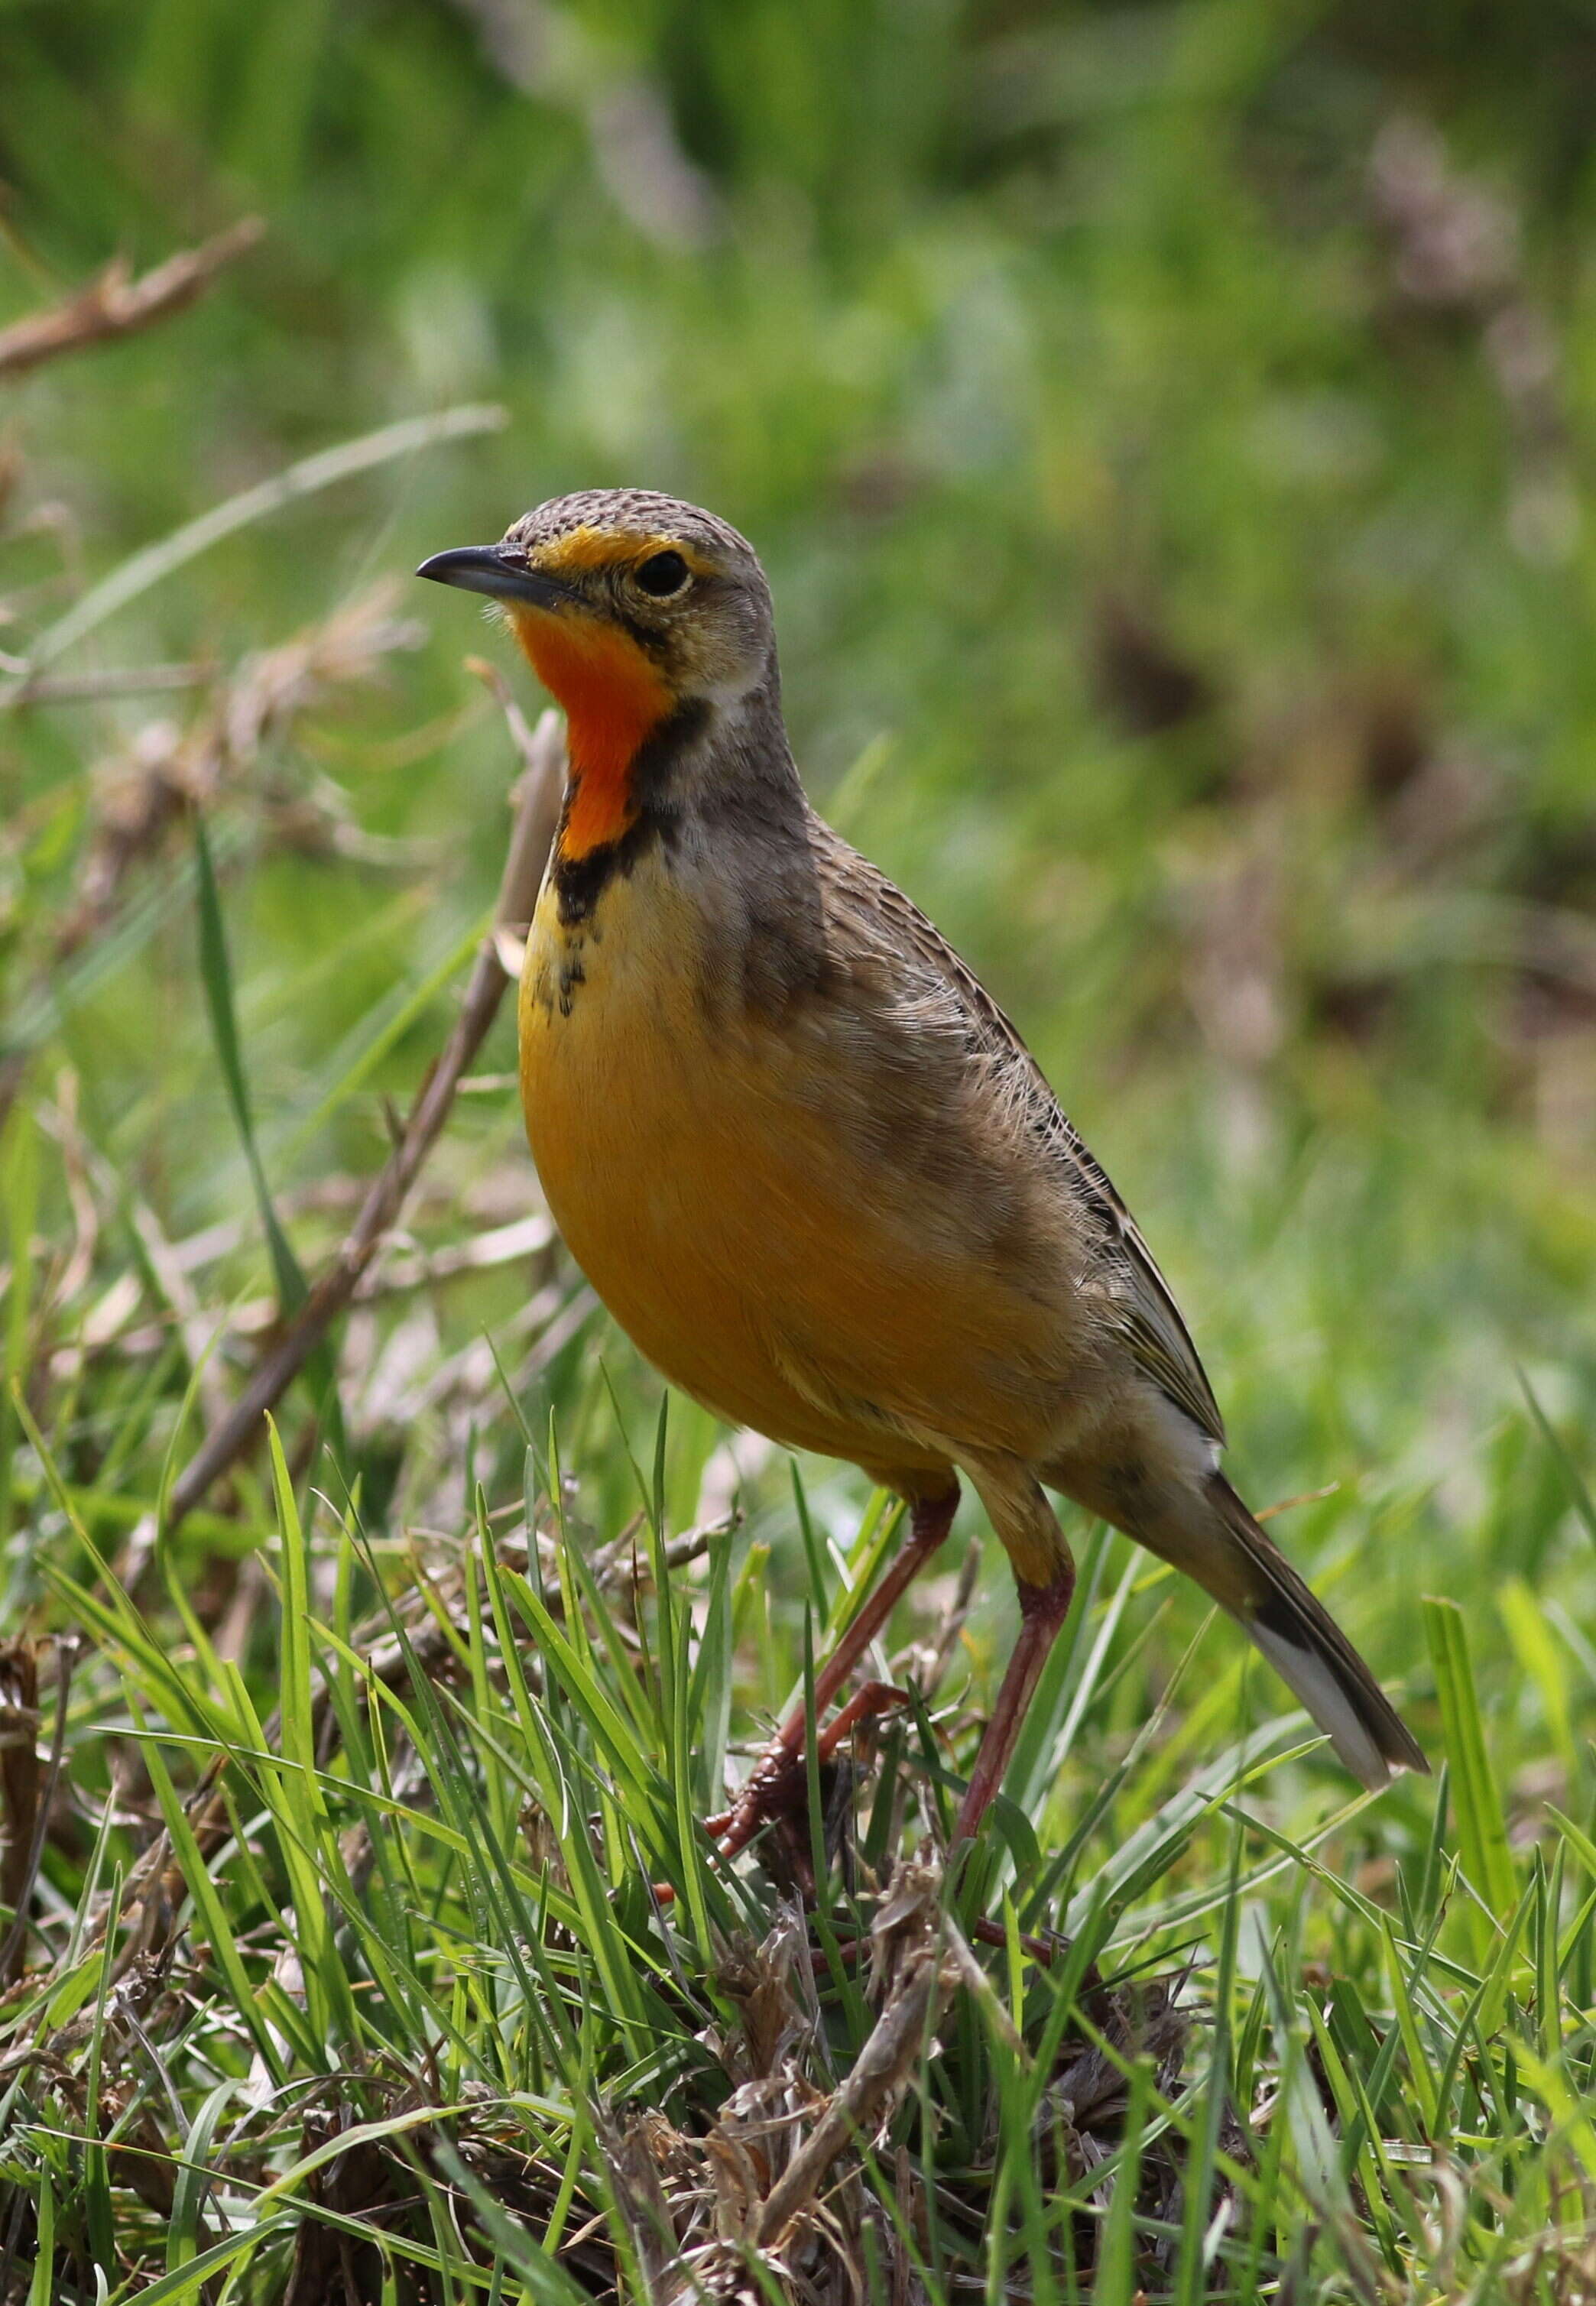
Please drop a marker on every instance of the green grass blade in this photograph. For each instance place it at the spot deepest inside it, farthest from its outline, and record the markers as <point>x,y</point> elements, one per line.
<point>216,975</point>
<point>1481,1827</point>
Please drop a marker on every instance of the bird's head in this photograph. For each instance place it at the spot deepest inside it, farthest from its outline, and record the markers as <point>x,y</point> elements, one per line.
<point>640,616</point>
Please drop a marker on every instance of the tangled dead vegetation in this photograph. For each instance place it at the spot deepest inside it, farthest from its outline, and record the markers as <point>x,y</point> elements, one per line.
<point>771,2198</point>
<point>773,2195</point>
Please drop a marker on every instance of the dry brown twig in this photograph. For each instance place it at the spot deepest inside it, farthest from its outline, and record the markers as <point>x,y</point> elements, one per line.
<point>114,305</point>
<point>537,801</point>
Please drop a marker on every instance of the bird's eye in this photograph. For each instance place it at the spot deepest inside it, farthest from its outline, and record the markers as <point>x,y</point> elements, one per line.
<point>663,573</point>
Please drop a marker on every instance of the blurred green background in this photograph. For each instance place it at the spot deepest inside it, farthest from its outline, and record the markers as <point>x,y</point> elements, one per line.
<point>1166,430</point>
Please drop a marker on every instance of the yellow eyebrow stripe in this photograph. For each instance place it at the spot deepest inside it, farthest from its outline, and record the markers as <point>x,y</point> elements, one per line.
<point>607,547</point>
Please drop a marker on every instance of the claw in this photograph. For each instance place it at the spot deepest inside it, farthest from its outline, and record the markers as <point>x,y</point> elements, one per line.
<point>776,1790</point>
<point>778,1783</point>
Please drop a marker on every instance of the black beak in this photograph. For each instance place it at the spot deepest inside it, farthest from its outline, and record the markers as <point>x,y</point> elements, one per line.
<point>497,570</point>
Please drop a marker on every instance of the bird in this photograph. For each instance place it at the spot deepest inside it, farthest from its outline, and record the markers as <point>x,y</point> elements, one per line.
<point>809,1165</point>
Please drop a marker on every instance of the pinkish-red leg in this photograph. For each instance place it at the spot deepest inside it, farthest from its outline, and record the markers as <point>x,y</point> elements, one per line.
<point>1042,1610</point>
<point>929,1523</point>
<point>868,1702</point>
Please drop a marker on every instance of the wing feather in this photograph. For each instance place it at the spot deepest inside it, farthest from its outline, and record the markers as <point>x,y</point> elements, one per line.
<point>943,989</point>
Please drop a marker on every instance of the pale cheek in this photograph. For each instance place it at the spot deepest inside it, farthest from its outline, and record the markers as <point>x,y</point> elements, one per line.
<point>720,668</point>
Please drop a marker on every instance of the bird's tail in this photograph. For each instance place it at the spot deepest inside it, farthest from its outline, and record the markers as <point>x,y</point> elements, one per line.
<point>1247,1575</point>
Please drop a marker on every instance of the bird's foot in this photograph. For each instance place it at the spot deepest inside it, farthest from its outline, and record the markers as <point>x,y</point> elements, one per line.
<point>778,1785</point>
<point>776,1790</point>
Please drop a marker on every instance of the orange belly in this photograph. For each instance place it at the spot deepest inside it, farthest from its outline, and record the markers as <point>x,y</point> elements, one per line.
<point>761,1262</point>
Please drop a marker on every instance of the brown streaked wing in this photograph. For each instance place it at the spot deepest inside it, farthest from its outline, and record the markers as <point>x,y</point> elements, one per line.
<point>1153,1326</point>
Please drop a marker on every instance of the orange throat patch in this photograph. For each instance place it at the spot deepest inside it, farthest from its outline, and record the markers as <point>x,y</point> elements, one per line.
<point>613,699</point>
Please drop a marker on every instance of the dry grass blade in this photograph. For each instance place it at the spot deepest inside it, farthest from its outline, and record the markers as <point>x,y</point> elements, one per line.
<point>112,305</point>
<point>113,680</point>
<point>537,801</point>
<point>926,1975</point>
<point>154,563</point>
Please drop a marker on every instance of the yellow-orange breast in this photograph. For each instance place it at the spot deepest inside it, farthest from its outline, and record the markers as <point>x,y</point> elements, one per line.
<point>760,1256</point>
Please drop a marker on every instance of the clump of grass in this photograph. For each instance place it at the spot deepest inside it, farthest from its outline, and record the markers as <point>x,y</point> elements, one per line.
<point>425,1985</point>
